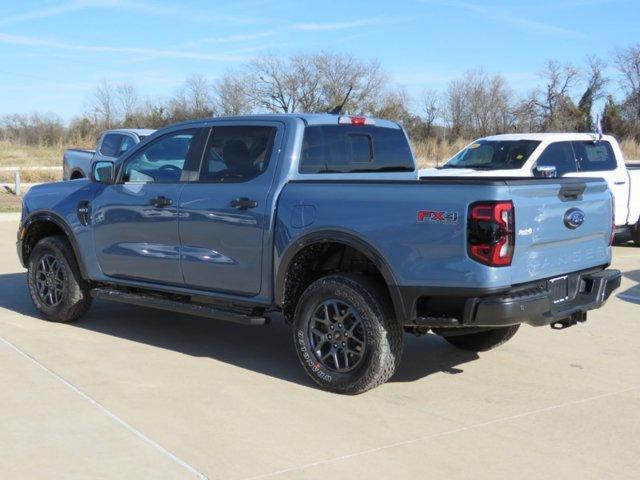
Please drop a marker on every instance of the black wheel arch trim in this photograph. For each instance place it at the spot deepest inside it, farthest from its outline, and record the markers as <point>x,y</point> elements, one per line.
<point>347,238</point>
<point>49,216</point>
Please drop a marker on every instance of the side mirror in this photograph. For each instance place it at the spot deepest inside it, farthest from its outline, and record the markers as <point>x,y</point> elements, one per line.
<point>103,172</point>
<point>545,171</point>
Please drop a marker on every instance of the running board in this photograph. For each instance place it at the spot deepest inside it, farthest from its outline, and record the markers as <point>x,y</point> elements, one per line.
<point>175,306</point>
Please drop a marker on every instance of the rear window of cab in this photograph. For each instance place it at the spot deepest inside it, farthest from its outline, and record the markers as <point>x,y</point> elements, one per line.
<point>352,149</point>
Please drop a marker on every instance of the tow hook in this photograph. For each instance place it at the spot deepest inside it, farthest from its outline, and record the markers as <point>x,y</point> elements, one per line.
<point>570,321</point>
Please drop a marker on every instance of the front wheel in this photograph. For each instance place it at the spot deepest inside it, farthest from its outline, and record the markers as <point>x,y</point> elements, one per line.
<point>483,341</point>
<point>346,335</point>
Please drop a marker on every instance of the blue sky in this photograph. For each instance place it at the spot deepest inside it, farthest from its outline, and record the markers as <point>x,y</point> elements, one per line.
<point>54,53</point>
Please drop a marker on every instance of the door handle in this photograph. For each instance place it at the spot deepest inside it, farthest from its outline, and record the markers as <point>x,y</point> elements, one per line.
<point>243,203</point>
<point>620,183</point>
<point>161,201</point>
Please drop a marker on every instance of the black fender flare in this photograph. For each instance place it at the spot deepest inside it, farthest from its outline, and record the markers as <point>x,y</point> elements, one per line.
<point>52,217</point>
<point>354,241</point>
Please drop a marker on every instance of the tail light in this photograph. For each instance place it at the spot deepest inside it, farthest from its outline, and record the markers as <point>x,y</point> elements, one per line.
<point>491,233</point>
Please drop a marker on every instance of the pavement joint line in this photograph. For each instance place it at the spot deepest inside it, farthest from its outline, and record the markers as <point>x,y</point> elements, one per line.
<point>108,412</point>
<point>441,434</point>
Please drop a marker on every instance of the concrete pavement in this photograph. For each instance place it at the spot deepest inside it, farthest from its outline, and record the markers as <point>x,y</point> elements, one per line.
<point>129,392</point>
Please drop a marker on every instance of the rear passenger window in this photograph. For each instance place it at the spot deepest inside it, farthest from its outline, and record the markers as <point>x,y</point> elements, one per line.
<point>350,149</point>
<point>237,154</point>
<point>559,155</point>
<point>594,156</point>
<point>110,146</point>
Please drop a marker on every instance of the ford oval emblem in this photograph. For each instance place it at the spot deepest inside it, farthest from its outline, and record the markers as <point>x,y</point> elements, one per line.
<point>573,218</point>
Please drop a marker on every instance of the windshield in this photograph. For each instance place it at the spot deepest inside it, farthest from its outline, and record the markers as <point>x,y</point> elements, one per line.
<point>494,154</point>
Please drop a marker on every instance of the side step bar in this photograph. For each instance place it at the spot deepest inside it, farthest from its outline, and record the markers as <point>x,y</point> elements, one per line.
<point>175,306</point>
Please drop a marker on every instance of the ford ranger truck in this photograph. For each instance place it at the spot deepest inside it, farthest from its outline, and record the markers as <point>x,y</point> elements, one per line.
<point>322,220</point>
<point>555,155</point>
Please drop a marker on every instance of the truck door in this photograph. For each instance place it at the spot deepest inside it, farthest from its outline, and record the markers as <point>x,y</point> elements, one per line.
<point>225,213</point>
<point>135,220</point>
<point>597,159</point>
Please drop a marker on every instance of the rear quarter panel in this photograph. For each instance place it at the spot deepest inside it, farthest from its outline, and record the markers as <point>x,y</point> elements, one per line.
<point>384,215</point>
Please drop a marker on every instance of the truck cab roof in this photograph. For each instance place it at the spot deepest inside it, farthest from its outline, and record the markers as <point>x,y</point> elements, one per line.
<point>140,132</point>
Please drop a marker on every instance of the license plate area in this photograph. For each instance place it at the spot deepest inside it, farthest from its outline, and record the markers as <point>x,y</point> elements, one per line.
<point>559,289</point>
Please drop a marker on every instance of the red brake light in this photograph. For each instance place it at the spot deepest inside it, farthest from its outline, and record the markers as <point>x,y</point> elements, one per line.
<point>491,233</point>
<point>348,120</point>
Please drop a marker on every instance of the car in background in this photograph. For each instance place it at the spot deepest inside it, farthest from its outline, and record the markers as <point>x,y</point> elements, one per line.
<point>551,155</point>
<point>76,162</point>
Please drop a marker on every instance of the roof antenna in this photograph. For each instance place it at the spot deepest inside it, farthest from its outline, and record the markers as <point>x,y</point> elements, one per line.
<point>337,110</point>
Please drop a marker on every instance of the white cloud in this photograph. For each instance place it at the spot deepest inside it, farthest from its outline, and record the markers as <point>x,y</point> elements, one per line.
<point>345,25</point>
<point>506,16</point>
<point>147,52</point>
<point>142,7</point>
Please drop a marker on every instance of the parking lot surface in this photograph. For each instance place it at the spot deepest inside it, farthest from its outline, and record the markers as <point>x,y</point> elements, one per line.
<point>130,392</point>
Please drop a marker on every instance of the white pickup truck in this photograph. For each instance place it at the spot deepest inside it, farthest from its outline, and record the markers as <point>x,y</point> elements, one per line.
<point>550,155</point>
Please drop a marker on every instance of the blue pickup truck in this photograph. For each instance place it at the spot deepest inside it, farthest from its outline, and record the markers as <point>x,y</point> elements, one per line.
<point>321,219</point>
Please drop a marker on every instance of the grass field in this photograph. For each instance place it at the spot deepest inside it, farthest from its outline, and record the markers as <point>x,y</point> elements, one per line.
<point>9,202</point>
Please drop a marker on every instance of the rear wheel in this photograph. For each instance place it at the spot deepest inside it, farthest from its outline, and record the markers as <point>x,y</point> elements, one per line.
<point>56,287</point>
<point>345,334</point>
<point>483,341</point>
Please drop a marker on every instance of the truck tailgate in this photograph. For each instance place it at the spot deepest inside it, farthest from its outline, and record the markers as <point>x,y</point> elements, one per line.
<point>560,227</point>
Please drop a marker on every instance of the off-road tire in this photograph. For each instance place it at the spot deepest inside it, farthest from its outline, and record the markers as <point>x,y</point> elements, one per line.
<point>75,298</point>
<point>483,341</point>
<point>384,335</point>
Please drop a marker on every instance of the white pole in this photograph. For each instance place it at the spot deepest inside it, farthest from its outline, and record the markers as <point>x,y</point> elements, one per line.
<point>16,190</point>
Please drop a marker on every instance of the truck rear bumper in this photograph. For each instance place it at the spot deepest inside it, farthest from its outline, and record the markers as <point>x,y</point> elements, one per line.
<point>540,303</point>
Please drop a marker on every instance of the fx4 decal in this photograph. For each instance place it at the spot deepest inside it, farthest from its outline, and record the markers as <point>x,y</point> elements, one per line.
<point>437,216</point>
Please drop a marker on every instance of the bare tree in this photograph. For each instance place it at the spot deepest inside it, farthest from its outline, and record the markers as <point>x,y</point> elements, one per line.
<point>198,96</point>
<point>627,61</point>
<point>341,73</point>
<point>127,100</point>
<point>555,101</point>
<point>315,83</point>
<point>430,109</point>
<point>271,85</point>
<point>105,106</point>
<point>231,96</point>
<point>594,91</point>
<point>478,104</point>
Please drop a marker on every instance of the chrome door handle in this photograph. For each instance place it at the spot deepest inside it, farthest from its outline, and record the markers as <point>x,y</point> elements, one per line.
<point>619,183</point>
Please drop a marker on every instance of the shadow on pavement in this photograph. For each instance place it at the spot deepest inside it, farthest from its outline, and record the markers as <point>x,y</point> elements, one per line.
<point>631,295</point>
<point>267,350</point>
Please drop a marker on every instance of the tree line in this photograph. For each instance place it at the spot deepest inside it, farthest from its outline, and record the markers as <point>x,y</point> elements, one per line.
<point>474,105</point>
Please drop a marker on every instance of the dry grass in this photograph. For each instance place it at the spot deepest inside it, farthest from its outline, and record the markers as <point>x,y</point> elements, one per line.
<point>9,202</point>
<point>432,152</point>
<point>631,150</point>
